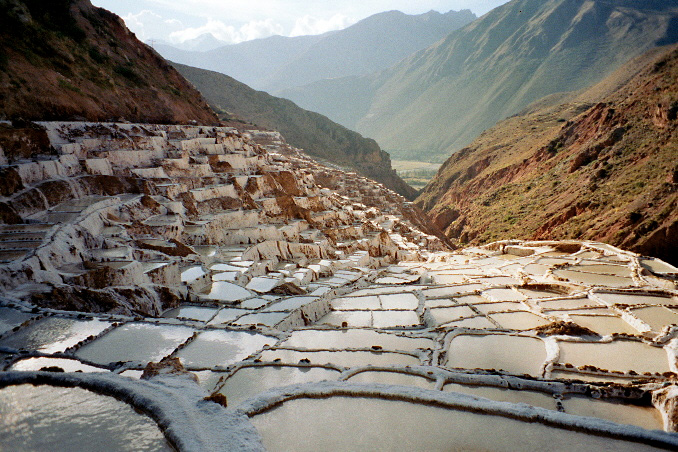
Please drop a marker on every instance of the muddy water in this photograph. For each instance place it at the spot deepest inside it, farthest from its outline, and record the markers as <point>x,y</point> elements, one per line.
<point>350,424</point>
<point>518,355</point>
<point>250,381</point>
<point>616,355</point>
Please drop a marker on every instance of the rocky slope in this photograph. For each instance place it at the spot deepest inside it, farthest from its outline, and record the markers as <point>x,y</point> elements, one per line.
<point>606,171</point>
<point>317,135</point>
<point>373,44</point>
<point>491,69</point>
<point>67,59</point>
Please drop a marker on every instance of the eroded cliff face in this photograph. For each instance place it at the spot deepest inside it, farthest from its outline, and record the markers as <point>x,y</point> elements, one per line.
<point>604,172</point>
<point>67,59</point>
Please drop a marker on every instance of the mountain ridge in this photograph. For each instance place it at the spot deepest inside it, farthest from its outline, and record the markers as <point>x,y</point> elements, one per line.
<point>491,69</point>
<point>600,167</point>
<point>374,43</point>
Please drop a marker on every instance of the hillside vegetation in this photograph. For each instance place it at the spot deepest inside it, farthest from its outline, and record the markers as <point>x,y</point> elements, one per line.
<point>604,171</point>
<point>314,133</point>
<point>66,59</point>
<point>441,98</point>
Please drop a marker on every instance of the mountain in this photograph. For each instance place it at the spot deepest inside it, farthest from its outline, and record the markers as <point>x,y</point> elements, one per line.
<point>440,99</point>
<point>314,133</point>
<point>602,166</point>
<point>66,59</point>
<point>202,43</point>
<point>373,44</point>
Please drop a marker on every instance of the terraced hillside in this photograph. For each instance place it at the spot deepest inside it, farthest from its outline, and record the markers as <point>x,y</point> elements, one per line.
<point>314,133</point>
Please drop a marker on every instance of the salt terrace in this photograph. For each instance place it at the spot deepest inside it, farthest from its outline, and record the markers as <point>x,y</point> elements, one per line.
<point>243,296</point>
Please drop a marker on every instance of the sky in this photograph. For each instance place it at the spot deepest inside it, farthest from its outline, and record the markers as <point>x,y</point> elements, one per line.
<point>234,21</point>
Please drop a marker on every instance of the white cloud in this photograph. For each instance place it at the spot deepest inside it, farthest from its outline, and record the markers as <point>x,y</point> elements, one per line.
<point>228,33</point>
<point>310,25</point>
<point>147,24</point>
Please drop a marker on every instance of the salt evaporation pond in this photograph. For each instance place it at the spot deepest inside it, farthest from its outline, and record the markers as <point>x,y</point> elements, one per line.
<point>139,342</point>
<point>519,320</point>
<point>603,324</point>
<point>636,298</point>
<point>356,319</point>
<point>54,334</point>
<point>514,354</point>
<point>392,378</point>
<point>505,395</point>
<point>68,365</point>
<point>341,358</point>
<point>593,279</point>
<point>191,313</point>
<point>11,318</point>
<point>221,348</point>
<point>642,416</point>
<point>348,424</point>
<point>338,339</point>
<point>51,418</point>
<point>394,319</point>
<point>250,381</point>
<point>616,355</point>
<point>657,317</point>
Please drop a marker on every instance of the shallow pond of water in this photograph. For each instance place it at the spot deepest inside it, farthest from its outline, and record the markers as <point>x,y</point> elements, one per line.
<point>636,298</point>
<point>140,342</point>
<point>399,301</point>
<point>603,325</point>
<point>449,291</point>
<point>250,381</point>
<point>533,398</point>
<point>500,306</point>
<point>289,304</point>
<point>54,334</point>
<point>449,279</point>
<point>657,266</point>
<point>642,416</point>
<point>349,424</point>
<point>593,279</point>
<point>392,378</point>
<point>519,320</point>
<point>502,295</point>
<point>656,316</point>
<point>394,319</point>
<point>68,365</point>
<point>221,348</point>
<point>369,302</point>
<point>357,338</point>
<point>341,358</point>
<point>605,269</point>
<point>479,323</point>
<point>11,318</point>
<point>52,418</point>
<point>263,318</point>
<point>226,291</point>
<point>569,303</point>
<point>353,319</point>
<point>227,315</point>
<point>191,313</point>
<point>616,355</point>
<point>440,303</point>
<point>514,354</point>
<point>440,316</point>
